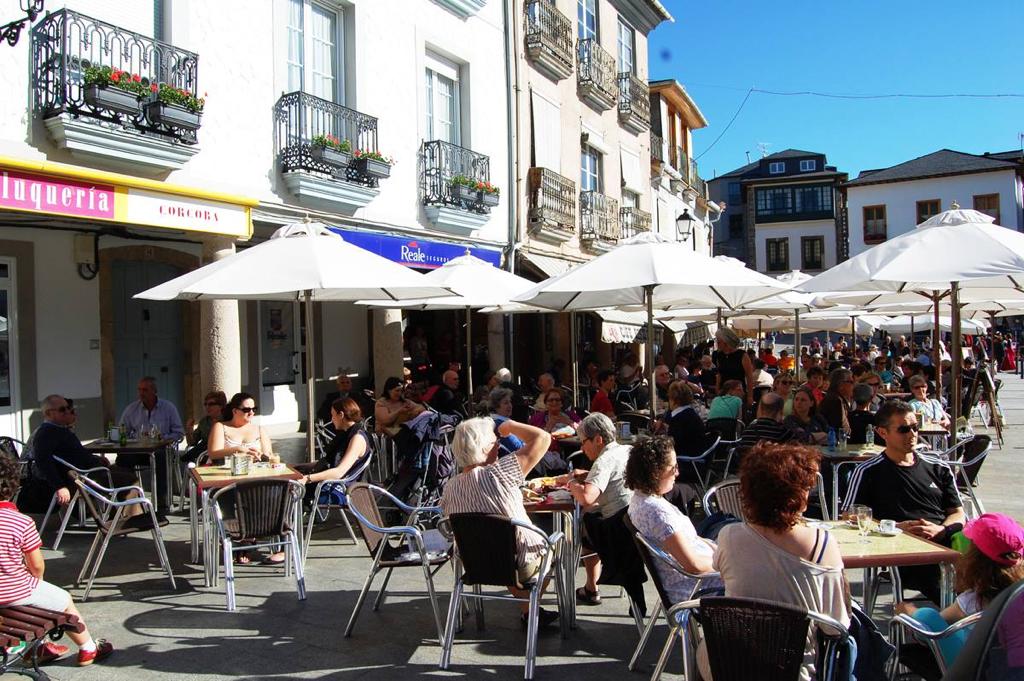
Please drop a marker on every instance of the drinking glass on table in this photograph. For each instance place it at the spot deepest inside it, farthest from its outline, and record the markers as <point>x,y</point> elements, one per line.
<point>863,516</point>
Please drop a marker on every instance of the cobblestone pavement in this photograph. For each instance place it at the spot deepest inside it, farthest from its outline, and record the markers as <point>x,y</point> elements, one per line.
<point>187,633</point>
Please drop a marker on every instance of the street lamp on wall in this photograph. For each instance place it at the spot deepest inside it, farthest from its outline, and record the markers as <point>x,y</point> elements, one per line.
<point>686,228</point>
<point>10,32</point>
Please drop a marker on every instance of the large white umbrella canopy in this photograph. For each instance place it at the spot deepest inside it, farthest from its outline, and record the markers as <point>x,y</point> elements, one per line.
<point>815,321</point>
<point>652,271</point>
<point>923,322</point>
<point>952,252</point>
<point>302,261</point>
<point>476,283</point>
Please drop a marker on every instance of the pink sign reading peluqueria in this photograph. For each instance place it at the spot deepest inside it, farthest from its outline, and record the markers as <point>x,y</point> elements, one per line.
<point>22,191</point>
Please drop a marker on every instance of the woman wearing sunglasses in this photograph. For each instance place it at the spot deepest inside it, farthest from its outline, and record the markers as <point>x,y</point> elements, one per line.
<point>237,432</point>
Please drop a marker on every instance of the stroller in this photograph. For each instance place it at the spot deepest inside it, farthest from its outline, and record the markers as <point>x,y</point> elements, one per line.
<point>425,462</point>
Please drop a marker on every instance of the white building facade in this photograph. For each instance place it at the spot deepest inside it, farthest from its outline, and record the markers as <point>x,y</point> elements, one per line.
<point>887,202</point>
<point>368,115</point>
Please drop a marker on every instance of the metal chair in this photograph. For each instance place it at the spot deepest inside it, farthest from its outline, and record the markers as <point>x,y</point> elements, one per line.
<point>652,557</point>
<point>486,556</point>
<point>181,474</point>
<point>415,552</point>
<point>636,421</point>
<point>730,429</point>
<point>263,509</point>
<point>703,479</point>
<point>751,638</point>
<point>910,628</point>
<point>984,654</point>
<point>108,512</point>
<point>965,463</point>
<point>322,511</point>
<point>77,502</point>
<point>724,497</point>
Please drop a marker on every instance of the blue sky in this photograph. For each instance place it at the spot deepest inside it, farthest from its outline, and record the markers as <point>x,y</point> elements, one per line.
<point>718,49</point>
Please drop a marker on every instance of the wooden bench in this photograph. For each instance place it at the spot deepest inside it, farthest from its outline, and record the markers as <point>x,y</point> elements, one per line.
<point>33,627</point>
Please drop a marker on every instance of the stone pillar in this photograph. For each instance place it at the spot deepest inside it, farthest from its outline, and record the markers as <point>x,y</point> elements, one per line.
<point>387,346</point>
<point>221,359</point>
<point>495,342</point>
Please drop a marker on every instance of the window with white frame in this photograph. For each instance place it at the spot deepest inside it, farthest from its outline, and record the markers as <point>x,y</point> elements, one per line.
<point>590,169</point>
<point>315,50</point>
<point>586,19</point>
<point>443,104</point>
<point>777,167</point>
<point>630,199</point>
<point>808,165</point>
<point>627,48</point>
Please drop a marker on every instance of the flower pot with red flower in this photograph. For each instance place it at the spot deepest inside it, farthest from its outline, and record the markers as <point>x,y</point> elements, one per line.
<point>175,108</point>
<point>331,150</point>
<point>114,90</point>
<point>464,190</point>
<point>489,194</point>
<point>372,163</point>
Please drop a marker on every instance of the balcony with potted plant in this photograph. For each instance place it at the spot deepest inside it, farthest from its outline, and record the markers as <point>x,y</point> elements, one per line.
<point>455,186</point>
<point>109,94</point>
<point>599,221</point>
<point>327,153</point>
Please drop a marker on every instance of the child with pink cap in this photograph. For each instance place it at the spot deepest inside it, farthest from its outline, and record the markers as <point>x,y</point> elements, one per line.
<point>993,562</point>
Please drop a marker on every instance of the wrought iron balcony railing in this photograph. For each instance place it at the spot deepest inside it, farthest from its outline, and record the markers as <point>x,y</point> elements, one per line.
<point>677,159</point>
<point>633,221</point>
<point>300,118</point>
<point>549,37</point>
<point>596,74</point>
<point>552,201</point>
<point>599,217</point>
<point>695,181</point>
<point>66,43</point>
<point>440,163</point>
<point>657,148</point>
<point>634,102</point>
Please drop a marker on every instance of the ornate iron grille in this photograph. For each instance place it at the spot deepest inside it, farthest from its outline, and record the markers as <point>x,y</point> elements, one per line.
<point>440,163</point>
<point>633,221</point>
<point>657,148</point>
<point>552,199</point>
<point>65,43</point>
<point>699,185</point>
<point>599,217</point>
<point>634,98</point>
<point>299,117</point>
<point>597,68</point>
<point>549,30</point>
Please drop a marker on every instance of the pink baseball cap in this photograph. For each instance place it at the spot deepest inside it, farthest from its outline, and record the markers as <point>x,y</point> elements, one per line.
<point>996,535</point>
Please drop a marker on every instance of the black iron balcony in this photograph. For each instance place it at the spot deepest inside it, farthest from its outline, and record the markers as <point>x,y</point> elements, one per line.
<point>449,174</point>
<point>677,159</point>
<point>695,181</point>
<point>634,103</point>
<point>657,148</point>
<point>71,50</point>
<point>548,38</point>
<point>316,135</point>
<point>634,221</point>
<point>596,75</point>
<point>599,218</point>
<point>552,211</point>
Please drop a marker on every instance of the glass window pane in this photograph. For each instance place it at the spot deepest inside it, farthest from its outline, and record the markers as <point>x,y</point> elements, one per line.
<point>324,47</point>
<point>625,48</point>
<point>430,104</point>
<point>295,39</point>
<point>277,343</point>
<point>586,19</point>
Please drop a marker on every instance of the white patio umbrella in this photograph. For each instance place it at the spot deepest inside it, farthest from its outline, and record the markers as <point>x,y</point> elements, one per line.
<point>650,271</point>
<point>956,249</point>
<point>303,261</point>
<point>836,322</point>
<point>476,283</point>
<point>924,322</point>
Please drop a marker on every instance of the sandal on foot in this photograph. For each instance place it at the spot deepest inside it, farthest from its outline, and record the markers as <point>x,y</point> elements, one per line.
<point>271,560</point>
<point>585,596</point>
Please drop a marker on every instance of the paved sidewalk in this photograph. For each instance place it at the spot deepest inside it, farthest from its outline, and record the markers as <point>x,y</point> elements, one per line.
<point>160,634</point>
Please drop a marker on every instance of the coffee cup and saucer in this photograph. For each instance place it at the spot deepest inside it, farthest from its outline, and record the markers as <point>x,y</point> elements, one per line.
<point>887,528</point>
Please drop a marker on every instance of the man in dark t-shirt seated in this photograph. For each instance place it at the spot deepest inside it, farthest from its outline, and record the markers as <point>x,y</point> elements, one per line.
<point>768,426</point>
<point>917,491</point>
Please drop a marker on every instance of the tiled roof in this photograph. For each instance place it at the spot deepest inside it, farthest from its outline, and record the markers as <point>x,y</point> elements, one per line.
<point>777,156</point>
<point>942,162</point>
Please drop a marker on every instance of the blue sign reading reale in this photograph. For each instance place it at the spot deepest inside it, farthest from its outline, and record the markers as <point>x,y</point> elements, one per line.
<point>415,252</point>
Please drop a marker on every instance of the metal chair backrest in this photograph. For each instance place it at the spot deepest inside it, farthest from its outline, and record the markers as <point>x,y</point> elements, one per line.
<point>647,553</point>
<point>90,492</point>
<point>727,428</point>
<point>363,500</point>
<point>724,497</point>
<point>11,446</point>
<point>750,638</point>
<point>263,508</point>
<point>985,650</point>
<point>973,453</point>
<point>635,421</point>
<point>486,545</point>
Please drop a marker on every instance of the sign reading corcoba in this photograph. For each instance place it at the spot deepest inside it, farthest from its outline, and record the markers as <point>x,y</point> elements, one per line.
<point>182,212</point>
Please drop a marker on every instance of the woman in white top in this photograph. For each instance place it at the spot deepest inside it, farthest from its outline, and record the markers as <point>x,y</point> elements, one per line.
<point>773,555</point>
<point>651,472</point>
<point>237,432</point>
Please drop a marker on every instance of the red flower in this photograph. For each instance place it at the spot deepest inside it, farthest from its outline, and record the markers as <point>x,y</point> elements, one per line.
<point>115,76</point>
<point>136,78</point>
<point>153,87</point>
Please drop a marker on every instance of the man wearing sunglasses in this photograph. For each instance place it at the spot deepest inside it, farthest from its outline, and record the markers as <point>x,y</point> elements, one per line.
<point>915,490</point>
<point>54,437</point>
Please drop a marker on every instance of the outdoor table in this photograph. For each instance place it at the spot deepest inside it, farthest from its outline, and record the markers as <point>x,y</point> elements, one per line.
<point>902,550</point>
<point>936,435</point>
<point>837,458</point>
<point>204,480</point>
<point>147,447</point>
<point>567,519</point>
<point>894,396</point>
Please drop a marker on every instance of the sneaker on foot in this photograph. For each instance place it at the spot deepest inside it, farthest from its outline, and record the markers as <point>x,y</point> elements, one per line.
<point>48,652</point>
<point>102,651</point>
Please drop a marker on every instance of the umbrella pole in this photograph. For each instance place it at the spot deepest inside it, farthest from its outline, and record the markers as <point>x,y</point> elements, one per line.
<point>469,352</point>
<point>649,295</point>
<point>759,335</point>
<point>853,334</point>
<point>956,352</point>
<point>574,359</point>
<point>796,343</point>
<point>310,385</point>
<point>937,343</point>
